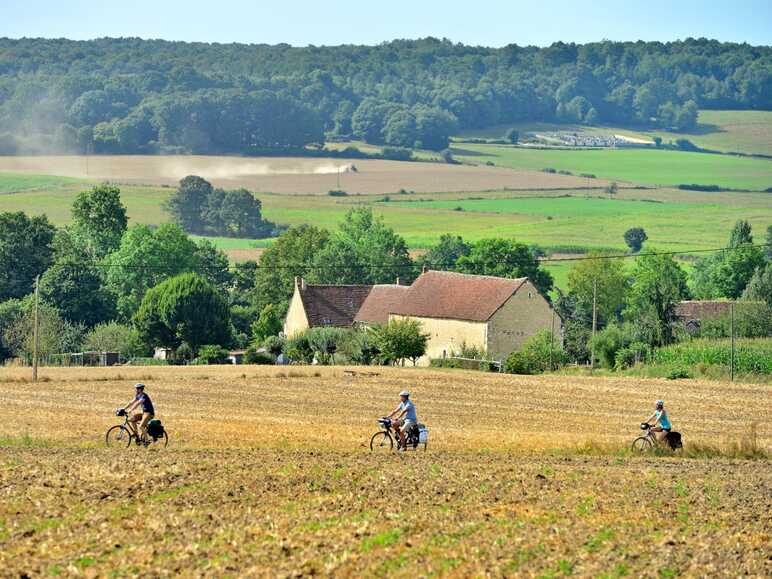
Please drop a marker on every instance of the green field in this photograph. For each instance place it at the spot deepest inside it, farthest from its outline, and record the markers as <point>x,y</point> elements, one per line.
<point>644,166</point>
<point>672,219</point>
<point>15,182</point>
<point>729,131</point>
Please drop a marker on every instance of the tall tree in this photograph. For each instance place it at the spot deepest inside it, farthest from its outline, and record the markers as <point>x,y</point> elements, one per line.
<point>606,280</point>
<point>187,203</point>
<point>290,256</point>
<point>99,220</point>
<point>634,238</point>
<point>76,290</point>
<point>505,258</point>
<point>184,309</point>
<point>363,251</point>
<point>144,259</point>
<point>447,252</point>
<point>659,283</point>
<point>26,251</point>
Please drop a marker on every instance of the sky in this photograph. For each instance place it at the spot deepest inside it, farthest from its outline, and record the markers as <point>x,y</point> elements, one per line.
<point>333,22</point>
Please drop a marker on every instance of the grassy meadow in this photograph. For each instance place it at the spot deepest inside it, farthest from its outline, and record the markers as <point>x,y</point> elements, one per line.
<point>673,219</point>
<point>653,167</point>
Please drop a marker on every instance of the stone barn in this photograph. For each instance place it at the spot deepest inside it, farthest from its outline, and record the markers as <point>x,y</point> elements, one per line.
<point>494,314</point>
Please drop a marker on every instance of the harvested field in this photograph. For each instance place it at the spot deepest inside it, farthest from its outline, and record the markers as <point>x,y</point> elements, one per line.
<point>292,174</point>
<point>303,495</point>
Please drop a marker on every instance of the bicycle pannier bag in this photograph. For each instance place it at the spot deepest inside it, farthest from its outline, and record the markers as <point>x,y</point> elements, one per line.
<point>155,428</point>
<point>423,434</point>
<point>674,440</point>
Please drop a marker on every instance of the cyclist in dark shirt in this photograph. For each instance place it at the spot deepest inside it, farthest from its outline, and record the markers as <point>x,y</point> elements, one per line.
<point>141,402</point>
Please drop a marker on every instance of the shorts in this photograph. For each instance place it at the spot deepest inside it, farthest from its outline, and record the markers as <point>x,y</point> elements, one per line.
<point>406,424</point>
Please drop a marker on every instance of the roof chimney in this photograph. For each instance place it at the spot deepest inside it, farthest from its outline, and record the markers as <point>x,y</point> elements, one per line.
<point>397,280</point>
<point>302,283</point>
<point>424,269</point>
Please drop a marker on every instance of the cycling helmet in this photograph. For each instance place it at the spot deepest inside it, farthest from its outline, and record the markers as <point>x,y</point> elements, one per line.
<point>659,404</point>
<point>405,393</point>
<point>139,386</point>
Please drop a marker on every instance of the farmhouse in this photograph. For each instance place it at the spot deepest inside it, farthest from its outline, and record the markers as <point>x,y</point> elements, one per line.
<point>382,300</point>
<point>492,314</point>
<point>323,306</point>
<point>692,313</point>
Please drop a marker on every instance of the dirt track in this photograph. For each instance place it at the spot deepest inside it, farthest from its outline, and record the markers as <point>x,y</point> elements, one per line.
<point>292,175</point>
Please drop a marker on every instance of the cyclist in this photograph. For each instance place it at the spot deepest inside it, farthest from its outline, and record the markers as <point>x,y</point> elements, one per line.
<point>146,415</point>
<point>403,417</point>
<point>661,421</point>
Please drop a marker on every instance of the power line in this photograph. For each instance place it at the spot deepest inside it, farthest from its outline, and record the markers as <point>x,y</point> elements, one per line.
<point>395,266</point>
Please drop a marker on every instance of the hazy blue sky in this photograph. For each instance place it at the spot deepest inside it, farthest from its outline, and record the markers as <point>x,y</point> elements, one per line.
<point>303,22</point>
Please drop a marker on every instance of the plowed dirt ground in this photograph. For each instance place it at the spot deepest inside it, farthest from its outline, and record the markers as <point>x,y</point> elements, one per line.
<point>268,474</point>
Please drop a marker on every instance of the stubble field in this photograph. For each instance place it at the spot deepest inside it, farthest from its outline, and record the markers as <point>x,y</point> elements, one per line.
<point>268,473</point>
<point>290,175</point>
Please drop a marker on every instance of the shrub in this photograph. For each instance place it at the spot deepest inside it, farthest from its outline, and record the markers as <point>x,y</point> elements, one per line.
<point>324,343</point>
<point>686,145</point>
<point>299,349</point>
<point>447,156</point>
<point>678,373</point>
<point>481,365</point>
<point>607,343</point>
<point>252,356</point>
<point>275,345</point>
<point>337,193</point>
<point>397,154</point>
<point>549,170</point>
<point>588,175</point>
<point>698,187</point>
<point>534,356</point>
<point>211,354</point>
<point>631,355</point>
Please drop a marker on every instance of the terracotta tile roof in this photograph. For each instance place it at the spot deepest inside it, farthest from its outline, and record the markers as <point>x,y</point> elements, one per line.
<point>458,296</point>
<point>383,299</point>
<point>701,310</point>
<point>333,305</point>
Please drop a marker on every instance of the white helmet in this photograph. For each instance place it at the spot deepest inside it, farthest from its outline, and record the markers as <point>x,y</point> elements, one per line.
<point>405,393</point>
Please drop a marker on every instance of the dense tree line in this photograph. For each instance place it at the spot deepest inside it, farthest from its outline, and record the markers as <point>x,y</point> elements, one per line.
<point>131,95</point>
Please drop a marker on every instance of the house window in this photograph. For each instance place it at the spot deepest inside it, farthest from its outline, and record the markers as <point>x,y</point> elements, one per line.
<point>530,295</point>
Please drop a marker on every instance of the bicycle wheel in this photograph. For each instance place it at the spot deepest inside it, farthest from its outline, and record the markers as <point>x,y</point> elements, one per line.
<point>381,441</point>
<point>118,436</point>
<point>642,444</point>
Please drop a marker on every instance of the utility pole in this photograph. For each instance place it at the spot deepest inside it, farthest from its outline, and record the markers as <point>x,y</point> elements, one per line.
<point>337,172</point>
<point>594,322</point>
<point>36,332</point>
<point>552,337</point>
<point>731,357</point>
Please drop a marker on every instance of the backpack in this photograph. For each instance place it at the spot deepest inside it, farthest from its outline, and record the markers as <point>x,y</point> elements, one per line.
<point>155,428</point>
<point>674,440</point>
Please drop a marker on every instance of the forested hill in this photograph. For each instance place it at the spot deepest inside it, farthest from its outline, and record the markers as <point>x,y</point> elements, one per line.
<point>132,95</point>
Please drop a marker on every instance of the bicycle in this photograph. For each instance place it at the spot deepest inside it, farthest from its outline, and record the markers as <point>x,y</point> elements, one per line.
<point>123,435</point>
<point>649,442</point>
<point>383,440</point>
